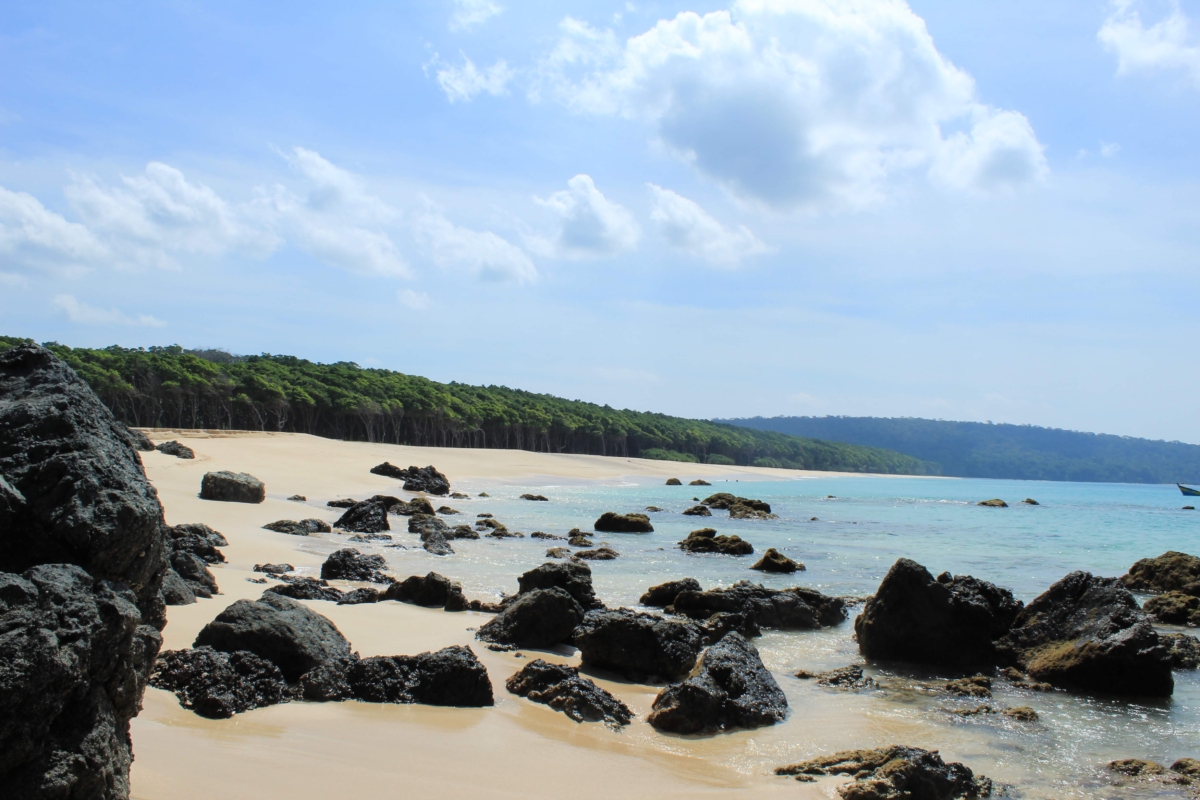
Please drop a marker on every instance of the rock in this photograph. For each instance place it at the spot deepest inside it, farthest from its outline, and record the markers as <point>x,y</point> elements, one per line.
<point>730,689</point>
<point>484,494</point>
<point>195,573</point>
<point>368,538</point>
<point>192,548</point>
<point>489,523</point>
<point>653,509</point>
<point>426,525</point>
<point>356,597</point>
<point>348,564</point>
<point>541,618</point>
<point>775,561</point>
<point>274,569</point>
<point>448,511</point>
<point>279,629</point>
<point>343,503</point>
<point>431,591</point>
<point>139,440</point>
<point>1184,650</point>
<point>1021,713</point>
<point>740,511</point>
<point>795,608</point>
<point>706,540</point>
<point>1020,681</point>
<point>611,522</point>
<point>305,527</point>
<point>1187,766</point>
<point>577,539</point>
<point>843,678</point>
<point>176,449</point>
<point>418,505</point>
<point>699,482</point>
<point>537,497</point>
<point>232,487</point>
<point>461,532</point>
<point>664,594</point>
<point>198,539</point>
<point>175,590</point>
<point>726,500</point>
<point>561,688</point>
<point>978,686</point>
<point>308,589</point>
<point>1174,608</point>
<point>544,535</point>
<point>558,552</point>
<point>483,516</point>
<point>1136,767</point>
<point>504,533</point>
<point>892,773</point>
<point>1088,632</point>
<point>573,577</point>
<point>452,676</point>
<point>697,511</point>
<point>599,554</point>
<point>953,620</point>
<point>638,646</point>
<point>389,471</point>
<point>459,496</point>
<point>437,545</point>
<point>997,503</point>
<point>426,479</point>
<point>1188,508</point>
<point>369,516</point>
<point>721,623</point>
<point>218,685</point>
<point>674,482</point>
<point>1171,572</point>
<point>298,498</point>
<point>1029,501</point>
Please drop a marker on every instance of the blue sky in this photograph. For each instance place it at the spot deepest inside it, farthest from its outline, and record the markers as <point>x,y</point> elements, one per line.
<point>955,210</point>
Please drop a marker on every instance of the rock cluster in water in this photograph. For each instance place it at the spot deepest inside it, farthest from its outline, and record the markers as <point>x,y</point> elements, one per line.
<point>891,773</point>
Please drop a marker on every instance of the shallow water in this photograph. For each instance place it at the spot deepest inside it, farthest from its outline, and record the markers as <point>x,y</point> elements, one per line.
<point>862,526</point>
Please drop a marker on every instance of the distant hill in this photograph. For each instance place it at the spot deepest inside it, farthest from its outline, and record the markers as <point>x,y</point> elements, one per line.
<point>170,387</point>
<point>1020,452</point>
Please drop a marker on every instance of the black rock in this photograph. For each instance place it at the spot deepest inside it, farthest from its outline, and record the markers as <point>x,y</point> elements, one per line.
<point>176,449</point>
<point>389,471</point>
<point>775,561</point>
<point>426,479</point>
<point>706,540</point>
<point>199,540</point>
<point>540,618</point>
<point>539,497</point>
<point>895,772</point>
<point>274,569</point>
<point>1174,608</point>
<point>359,596</point>
<point>432,591</point>
<point>731,689</point>
<point>638,646</point>
<point>843,678</point>
<point>232,487</point>
<point>697,511</point>
<point>1184,650</point>
<point>664,594</point>
<point>437,545</point>
<point>951,620</point>
<point>795,608</point>
<point>342,503</point>
<point>544,535</point>
<point>461,532</point>
<point>726,500</point>
<point>368,538</point>
<point>418,505</point>
<point>298,498</point>
<point>452,676</point>
<point>369,516</point>
<point>573,577</point>
<point>427,525</point>
<point>561,688</point>
<point>279,629</point>
<point>218,685</point>
<point>348,564</point>
<point>305,527</point>
<point>139,440</point>
<point>612,522</point>
<point>721,623</point>
<point>195,573</point>
<point>175,590</point>
<point>1089,632</point>
<point>308,589</point>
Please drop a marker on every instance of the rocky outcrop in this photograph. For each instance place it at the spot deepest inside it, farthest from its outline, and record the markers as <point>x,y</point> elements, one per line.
<point>82,560</point>
<point>948,620</point>
<point>461,532</point>
<point>544,535</point>
<point>725,500</point>
<point>436,544</point>
<point>740,511</point>
<point>1174,608</point>
<point>697,511</point>
<point>674,482</point>
<point>775,561</point>
<point>572,577</point>
<point>541,498</point>
<point>706,540</point>
<point>369,516</point>
<point>345,502</point>
<point>599,554</point>
<point>730,689</point>
<point>218,685</point>
<point>1184,650</point>
<point>1171,572</point>
<point>348,564</point>
<point>432,591</point>
<point>540,618</point>
<point>305,527</point>
<point>638,646</point>
<point>1088,632</point>
<point>664,594</point>
<point>561,688</point>
<point>895,772</point>
<point>795,608</point>
<point>177,449</point>
<point>426,525</point>
<point>715,627</point>
<point>232,487</point>
<point>612,522</point>
<point>578,539</point>
<point>418,505</point>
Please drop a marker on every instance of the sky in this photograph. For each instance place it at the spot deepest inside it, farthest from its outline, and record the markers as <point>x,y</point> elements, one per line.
<point>971,211</point>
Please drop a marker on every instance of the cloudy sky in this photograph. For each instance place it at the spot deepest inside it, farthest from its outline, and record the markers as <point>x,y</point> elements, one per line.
<point>940,209</point>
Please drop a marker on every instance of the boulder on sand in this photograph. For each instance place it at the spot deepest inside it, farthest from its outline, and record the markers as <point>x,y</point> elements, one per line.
<point>177,449</point>
<point>731,689</point>
<point>706,540</point>
<point>218,685</point>
<point>797,608</point>
<point>305,527</point>
<point>572,577</point>
<point>561,688</point>
<point>432,591</point>
<point>949,620</point>
<point>664,594</point>
<point>612,522</point>
<point>1171,572</point>
<point>388,470</point>
<point>541,618</point>
<point>890,773</point>
<point>232,487</point>
<point>452,676</point>
<point>775,561</point>
<point>1088,632</point>
<point>369,516</point>
<point>426,479</point>
<point>636,645</point>
<point>348,564</point>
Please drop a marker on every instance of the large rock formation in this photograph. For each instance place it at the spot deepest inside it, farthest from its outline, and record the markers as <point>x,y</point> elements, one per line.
<point>82,559</point>
<point>232,487</point>
<point>895,772</point>
<point>948,620</point>
<point>638,646</point>
<point>1088,632</point>
<point>795,608</point>
<point>726,500</point>
<point>561,688</point>
<point>1171,572</point>
<point>731,689</point>
<point>540,618</point>
<point>612,522</point>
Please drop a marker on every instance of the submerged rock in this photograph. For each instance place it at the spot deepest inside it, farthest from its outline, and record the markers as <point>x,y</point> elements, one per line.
<point>561,688</point>
<point>730,689</point>
<point>216,684</point>
<point>540,618</point>
<point>706,540</point>
<point>637,646</point>
<point>350,565</point>
<point>369,516</point>
<point>795,608</point>
<point>664,594</point>
<point>775,561</point>
<point>544,535</point>
<point>612,522</point>
<point>432,591</point>
<point>1171,572</point>
<point>849,678</point>
<point>977,686</point>
<point>177,449</point>
<point>740,511</point>
<point>232,487</point>
<point>892,773</point>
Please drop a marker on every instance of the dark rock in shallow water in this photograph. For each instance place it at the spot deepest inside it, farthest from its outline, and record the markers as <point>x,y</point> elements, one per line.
<point>426,525</point>
<point>177,449</point>
<point>448,511</point>
<point>218,685</point>
<point>559,552</point>
<point>1088,632</point>
<point>1174,608</point>
<point>699,482</point>
<point>308,589</point>
<point>561,688</point>
<point>674,482</point>
<point>305,527</point>
<point>795,608</point>
<point>895,772</point>
<point>706,540</point>
<point>298,498</point>
<point>461,532</point>
<point>843,678</point>
<point>369,516</point>
<point>418,479</point>
<point>599,554</point>
<point>612,522</point>
<point>368,538</point>
<point>432,591</point>
<point>775,561</point>
<point>540,618</point>
<point>418,505</point>
<point>740,511</point>
<point>572,577</point>
<point>1184,650</point>
<point>731,689</point>
<point>1171,572</point>
<point>459,496</point>
<point>697,511</point>
<point>997,503</point>
<point>544,535</point>
<point>274,569</point>
<point>726,500</point>
<point>232,487</point>
<point>538,497</point>
<point>350,565</point>
<point>279,629</point>
<point>664,594</point>
<point>139,440</point>
<point>721,623</point>
<point>636,645</point>
<point>437,545</point>
<point>950,620</point>
<point>452,676</point>
<point>976,686</point>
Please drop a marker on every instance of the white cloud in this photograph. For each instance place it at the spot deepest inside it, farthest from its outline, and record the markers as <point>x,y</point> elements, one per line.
<point>417,301</point>
<point>688,227</point>
<point>33,236</point>
<point>84,314</point>
<point>796,102</point>
<point>470,13</point>
<point>587,223</point>
<point>463,83</point>
<point>1166,45</point>
<point>482,254</point>
<point>13,280</point>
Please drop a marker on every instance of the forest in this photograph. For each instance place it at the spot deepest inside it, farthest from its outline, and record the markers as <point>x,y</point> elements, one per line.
<point>170,387</point>
<point>1019,452</point>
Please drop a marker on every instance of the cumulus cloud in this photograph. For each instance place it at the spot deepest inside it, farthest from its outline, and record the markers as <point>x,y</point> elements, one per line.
<point>587,224</point>
<point>794,103</point>
<point>471,13</point>
<point>463,83</point>
<point>688,227</point>
<point>32,235</point>
<point>1166,45</point>
<point>84,314</point>
<point>481,254</point>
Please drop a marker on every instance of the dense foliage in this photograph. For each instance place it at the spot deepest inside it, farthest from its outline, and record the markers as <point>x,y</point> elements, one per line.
<point>170,387</point>
<point>1021,452</point>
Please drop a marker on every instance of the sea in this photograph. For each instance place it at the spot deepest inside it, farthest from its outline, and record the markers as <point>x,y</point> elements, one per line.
<point>848,531</point>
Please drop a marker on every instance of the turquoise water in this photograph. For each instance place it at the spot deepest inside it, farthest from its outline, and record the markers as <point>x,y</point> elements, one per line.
<point>858,533</point>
